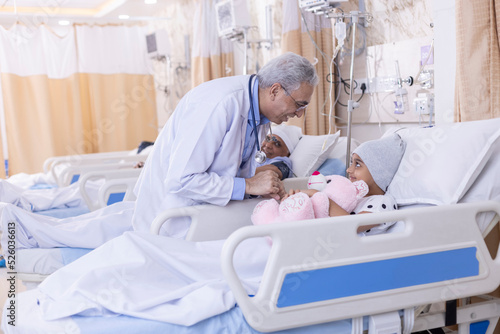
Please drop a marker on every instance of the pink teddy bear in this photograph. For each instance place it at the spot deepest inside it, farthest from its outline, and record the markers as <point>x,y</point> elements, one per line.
<point>300,206</point>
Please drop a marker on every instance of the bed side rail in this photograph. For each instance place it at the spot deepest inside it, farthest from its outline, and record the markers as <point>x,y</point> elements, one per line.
<point>321,270</point>
<point>67,172</point>
<point>295,183</point>
<point>210,222</point>
<point>49,162</point>
<point>72,173</point>
<point>116,182</point>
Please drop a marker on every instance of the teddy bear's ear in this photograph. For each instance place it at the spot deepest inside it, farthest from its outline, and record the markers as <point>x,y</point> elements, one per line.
<point>362,188</point>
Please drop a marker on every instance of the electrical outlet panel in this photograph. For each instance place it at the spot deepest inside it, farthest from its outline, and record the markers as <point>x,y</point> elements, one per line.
<point>376,85</point>
<point>426,79</point>
<point>357,86</point>
<point>424,104</point>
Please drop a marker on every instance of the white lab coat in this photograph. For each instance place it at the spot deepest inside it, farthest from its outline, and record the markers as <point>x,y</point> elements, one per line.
<point>197,154</point>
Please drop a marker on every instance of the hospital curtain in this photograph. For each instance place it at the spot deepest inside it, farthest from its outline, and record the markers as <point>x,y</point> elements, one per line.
<point>478,60</point>
<point>212,57</point>
<point>39,86</point>
<point>295,38</point>
<point>88,91</point>
<point>117,87</point>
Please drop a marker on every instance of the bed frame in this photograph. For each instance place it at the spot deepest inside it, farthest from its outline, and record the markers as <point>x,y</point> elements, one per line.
<point>321,270</point>
<point>118,186</point>
<point>67,169</point>
<point>206,222</point>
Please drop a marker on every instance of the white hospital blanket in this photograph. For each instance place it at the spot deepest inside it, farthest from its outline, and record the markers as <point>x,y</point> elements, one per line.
<point>86,231</point>
<point>26,181</point>
<point>151,277</point>
<point>45,261</point>
<point>29,321</point>
<point>45,199</point>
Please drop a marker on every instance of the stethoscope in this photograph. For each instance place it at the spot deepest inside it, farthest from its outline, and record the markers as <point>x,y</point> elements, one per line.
<point>260,156</point>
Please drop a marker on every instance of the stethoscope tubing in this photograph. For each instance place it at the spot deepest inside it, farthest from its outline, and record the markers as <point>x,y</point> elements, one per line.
<point>260,157</point>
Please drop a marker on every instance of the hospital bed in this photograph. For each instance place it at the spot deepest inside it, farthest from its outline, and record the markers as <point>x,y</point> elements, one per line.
<point>109,186</point>
<point>320,274</point>
<point>67,170</point>
<point>113,169</point>
<point>439,255</point>
<point>117,186</point>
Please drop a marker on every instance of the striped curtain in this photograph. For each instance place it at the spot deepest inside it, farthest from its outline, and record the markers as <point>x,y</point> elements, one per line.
<point>88,91</point>
<point>478,60</point>
<point>295,38</point>
<point>212,57</point>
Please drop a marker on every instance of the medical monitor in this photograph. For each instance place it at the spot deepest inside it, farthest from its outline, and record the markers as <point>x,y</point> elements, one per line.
<point>224,11</point>
<point>158,44</point>
<point>231,17</point>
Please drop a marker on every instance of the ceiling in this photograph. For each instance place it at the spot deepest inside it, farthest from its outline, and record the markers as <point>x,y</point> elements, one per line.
<point>73,11</point>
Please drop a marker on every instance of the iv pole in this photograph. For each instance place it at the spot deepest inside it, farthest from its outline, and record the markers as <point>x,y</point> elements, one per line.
<point>351,104</point>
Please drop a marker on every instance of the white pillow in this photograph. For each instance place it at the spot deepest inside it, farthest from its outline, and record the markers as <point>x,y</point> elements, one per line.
<point>486,187</point>
<point>311,152</point>
<point>441,163</point>
<point>340,149</point>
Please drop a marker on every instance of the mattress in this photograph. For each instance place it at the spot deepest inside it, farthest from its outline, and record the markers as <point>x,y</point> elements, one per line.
<point>29,321</point>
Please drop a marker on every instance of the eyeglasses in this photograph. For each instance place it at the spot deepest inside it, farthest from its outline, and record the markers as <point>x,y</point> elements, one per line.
<point>300,106</point>
<point>273,139</point>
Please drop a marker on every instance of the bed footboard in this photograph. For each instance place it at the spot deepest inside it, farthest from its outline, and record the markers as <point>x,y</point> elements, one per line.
<point>321,270</point>
<point>119,183</point>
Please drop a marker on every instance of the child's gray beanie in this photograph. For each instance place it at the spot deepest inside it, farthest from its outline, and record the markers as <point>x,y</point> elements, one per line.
<point>382,157</point>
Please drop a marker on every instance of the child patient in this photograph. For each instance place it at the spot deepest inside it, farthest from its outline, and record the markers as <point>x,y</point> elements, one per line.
<point>374,162</point>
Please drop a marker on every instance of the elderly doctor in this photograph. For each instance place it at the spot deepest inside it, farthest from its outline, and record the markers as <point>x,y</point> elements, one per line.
<point>206,152</point>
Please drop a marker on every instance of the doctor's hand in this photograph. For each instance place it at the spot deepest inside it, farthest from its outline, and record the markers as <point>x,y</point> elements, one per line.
<point>265,183</point>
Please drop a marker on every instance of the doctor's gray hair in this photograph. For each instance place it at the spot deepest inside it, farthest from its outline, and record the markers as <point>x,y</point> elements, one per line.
<point>289,70</point>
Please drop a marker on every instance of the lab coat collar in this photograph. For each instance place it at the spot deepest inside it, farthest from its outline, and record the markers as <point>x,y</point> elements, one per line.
<point>259,119</point>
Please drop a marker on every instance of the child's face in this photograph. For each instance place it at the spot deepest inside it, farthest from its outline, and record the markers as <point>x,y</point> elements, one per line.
<point>358,171</point>
<point>273,146</point>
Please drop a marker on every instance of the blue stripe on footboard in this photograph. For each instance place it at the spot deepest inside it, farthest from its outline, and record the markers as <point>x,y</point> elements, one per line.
<point>357,279</point>
<point>75,178</point>
<point>115,197</point>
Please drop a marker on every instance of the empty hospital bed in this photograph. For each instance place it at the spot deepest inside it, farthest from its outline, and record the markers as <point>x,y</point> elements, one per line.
<point>96,189</point>
<point>64,170</point>
<point>437,254</point>
<point>101,184</point>
<point>67,169</point>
